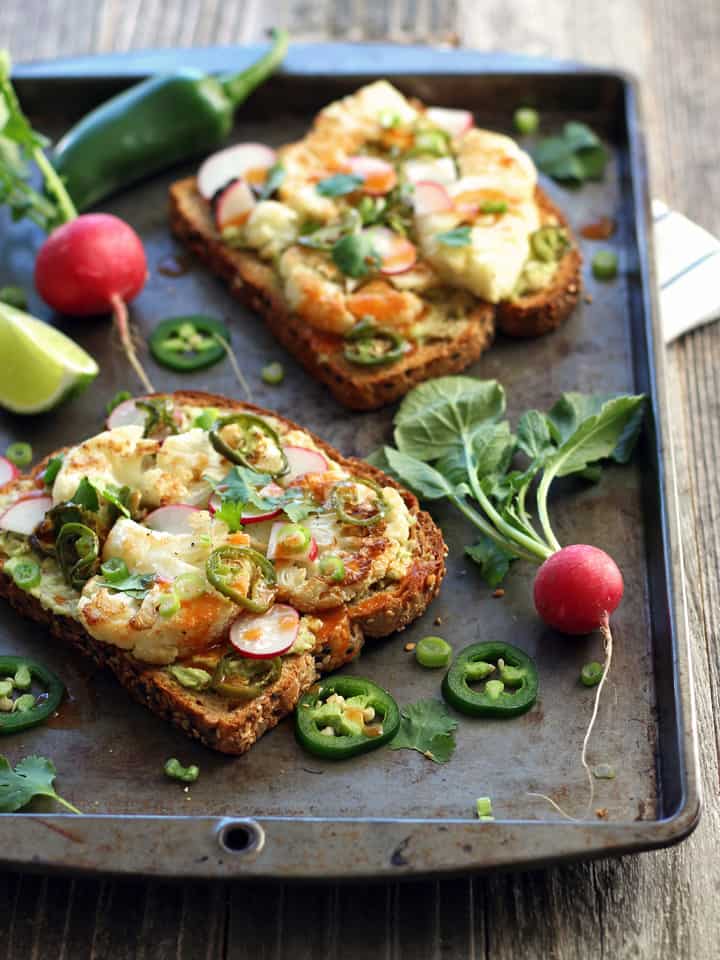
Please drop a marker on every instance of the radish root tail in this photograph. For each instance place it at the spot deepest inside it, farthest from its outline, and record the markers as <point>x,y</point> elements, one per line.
<point>234,364</point>
<point>608,650</point>
<point>120,318</point>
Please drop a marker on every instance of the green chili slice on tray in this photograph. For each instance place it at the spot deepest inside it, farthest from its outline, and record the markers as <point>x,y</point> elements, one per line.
<point>345,716</point>
<point>44,705</point>
<point>77,550</point>
<point>241,678</point>
<point>188,343</point>
<point>508,676</point>
<point>349,508</point>
<point>370,346</point>
<point>245,446</point>
<point>244,576</point>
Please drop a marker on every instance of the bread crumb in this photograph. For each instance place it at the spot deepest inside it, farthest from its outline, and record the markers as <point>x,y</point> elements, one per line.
<point>588,298</point>
<point>498,593</point>
<point>409,647</point>
<point>437,621</point>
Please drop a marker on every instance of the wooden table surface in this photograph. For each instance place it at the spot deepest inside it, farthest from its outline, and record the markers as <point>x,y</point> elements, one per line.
<point>648,906</point>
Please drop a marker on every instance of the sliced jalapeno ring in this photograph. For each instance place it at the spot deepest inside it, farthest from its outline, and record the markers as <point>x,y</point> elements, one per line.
<point>508,675</point>
<point>77,549</point>
<point>365,326</point>
<point>158,415</point>
<point>251,430</point>
<point>549,243</point>
<point>344,716</point>
<point>242,678</point>
<point>188,343</point>
<point>244,576</point>
<point>29,715</point>
<point>375,347</point>
<point>345,492</point>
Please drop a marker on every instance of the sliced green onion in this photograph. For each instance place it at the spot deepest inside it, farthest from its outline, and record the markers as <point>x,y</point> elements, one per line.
<point>605,265</point>
<point>206,419</point>
<point>433,652</point>
<point>26,573</point>
<point>114,570</point>
<point>273,374</point>
<point>20,454</point>
<point>526,120</point>
<point>188,586</point>
<point>484,808</point>
<point>294,536</point>
<point>333,568</point>
<point>591,674</point>
<point>169,604</point>
<point>120,397</point>
<point>494,206</point>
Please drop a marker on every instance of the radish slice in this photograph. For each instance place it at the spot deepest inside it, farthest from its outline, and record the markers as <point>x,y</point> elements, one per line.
<point>234,205</point>
<point>8,471</point>
<point>430,198</point>
<point>244,160</point>
<point>264,635</point>
<point>126,414</point>
<point>453,122</point>
<point>24,515</point>
<point>175,518</point>
<point>396,253</point>
<point>275,549</point>
<point>302,460</point>
<point>441,170</point>
<point>378,175</point>
<point>250,513</point>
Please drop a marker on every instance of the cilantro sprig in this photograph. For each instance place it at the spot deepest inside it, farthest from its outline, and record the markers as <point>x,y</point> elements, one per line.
<point>576,155</point>
<point>426,726</point>
<point>32,777</point>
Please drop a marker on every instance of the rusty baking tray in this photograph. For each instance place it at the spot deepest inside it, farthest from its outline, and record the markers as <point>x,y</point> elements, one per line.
<point>278,812</point>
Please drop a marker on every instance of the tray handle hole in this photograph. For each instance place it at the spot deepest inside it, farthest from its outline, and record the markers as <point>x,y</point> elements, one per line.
<point>241,836</point>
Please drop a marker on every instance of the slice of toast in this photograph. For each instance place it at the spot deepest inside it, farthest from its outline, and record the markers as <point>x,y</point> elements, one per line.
<point>254,282</point>
<point>210,718</point>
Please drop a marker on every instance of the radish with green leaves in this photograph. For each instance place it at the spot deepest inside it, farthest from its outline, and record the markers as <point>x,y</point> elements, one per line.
<point>452,442</point>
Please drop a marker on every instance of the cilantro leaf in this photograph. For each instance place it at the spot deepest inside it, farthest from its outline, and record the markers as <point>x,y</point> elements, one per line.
<point>135,585</point>
<point>494,562</point>
<point>241,483</point>
<point>32,777</point>
<point>355,254</point>
<point>339,184</point>
<point>459,237</point>
<point>230,513</point>
<point>275,177</point>
<point>86,496</point>
<point>576,155</point>
<point>118,497</point>
<point>52,469</point>
<point>426,726</point>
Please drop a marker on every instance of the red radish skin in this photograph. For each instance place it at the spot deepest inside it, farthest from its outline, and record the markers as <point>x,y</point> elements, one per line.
<point>94,264</point>
<point>577,589</point>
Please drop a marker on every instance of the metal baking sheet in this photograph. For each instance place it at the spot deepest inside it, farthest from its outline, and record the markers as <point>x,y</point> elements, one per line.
<point>277,812</point>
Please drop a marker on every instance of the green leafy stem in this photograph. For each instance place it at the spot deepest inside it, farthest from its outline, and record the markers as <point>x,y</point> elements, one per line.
<point>452,442</point>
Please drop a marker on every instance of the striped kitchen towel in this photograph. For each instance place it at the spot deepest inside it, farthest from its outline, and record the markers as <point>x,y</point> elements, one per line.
<point>687,258</point>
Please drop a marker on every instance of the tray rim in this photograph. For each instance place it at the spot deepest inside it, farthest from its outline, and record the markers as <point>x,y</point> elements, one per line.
<point>392,847</point>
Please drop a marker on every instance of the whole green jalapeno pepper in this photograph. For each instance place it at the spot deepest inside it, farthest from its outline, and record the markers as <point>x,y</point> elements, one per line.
<point>154,125</point>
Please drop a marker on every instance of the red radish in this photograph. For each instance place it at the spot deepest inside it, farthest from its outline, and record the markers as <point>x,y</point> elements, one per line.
<point>94,264</point>
<point>440,170</point>
<point>577,589</point>
<point>378,175</point>
<point>234,205</point>
<point>251,514</point>
<point>264,635</point>
<point>278,550</point>
<point>24,515</point>
<point>126,414</point>
<point>453,122</point>
<point>303,460</point>
<point>174,518</point>
<point>244,160</point>
<point>430,197</point>
<point>8,471</point>
<point>397,254</point>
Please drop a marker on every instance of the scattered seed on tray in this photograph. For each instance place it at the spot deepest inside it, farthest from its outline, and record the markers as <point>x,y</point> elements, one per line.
<point>409,647</point>
<point>499,593</point>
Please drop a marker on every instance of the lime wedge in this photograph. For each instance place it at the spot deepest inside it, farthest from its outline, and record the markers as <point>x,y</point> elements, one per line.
<point>41,367</point>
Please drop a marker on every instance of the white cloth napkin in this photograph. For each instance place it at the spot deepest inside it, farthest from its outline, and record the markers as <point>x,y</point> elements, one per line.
<point>687,259</point>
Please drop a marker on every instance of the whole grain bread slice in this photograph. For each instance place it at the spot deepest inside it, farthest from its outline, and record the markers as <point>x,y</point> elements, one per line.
<point>253,281</point>
<point>213,720</point>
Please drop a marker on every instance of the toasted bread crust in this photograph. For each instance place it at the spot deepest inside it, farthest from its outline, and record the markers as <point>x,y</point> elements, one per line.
<point>544,311</point>
<point>254,283</point>
<point>209,718</point>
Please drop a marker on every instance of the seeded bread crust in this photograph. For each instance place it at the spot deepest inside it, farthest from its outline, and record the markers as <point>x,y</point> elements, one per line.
<point>211,719</point>
<point>253,282</point>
